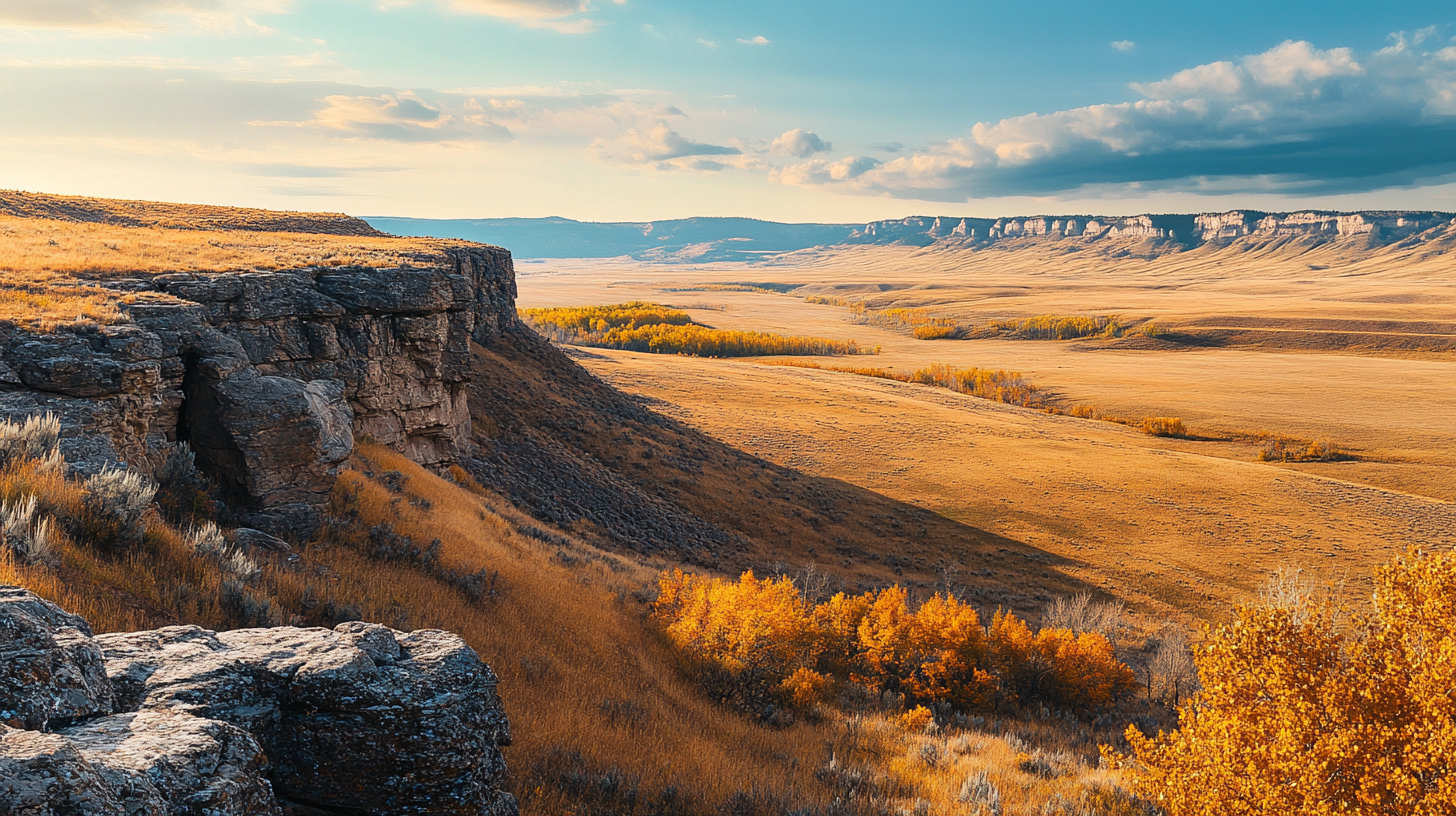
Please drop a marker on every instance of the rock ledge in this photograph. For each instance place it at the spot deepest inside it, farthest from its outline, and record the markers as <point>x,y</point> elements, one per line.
<point>360,719</point>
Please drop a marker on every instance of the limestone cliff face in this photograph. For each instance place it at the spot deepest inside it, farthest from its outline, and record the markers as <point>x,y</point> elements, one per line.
<point>1182,230</point>
<point>270,375</point>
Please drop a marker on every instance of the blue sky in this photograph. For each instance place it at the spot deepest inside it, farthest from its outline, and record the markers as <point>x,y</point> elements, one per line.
<point>807,111</point>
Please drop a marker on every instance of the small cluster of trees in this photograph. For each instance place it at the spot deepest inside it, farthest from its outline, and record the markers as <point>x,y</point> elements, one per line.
<point>759,640</point>
<point>1307,708</point>
<point>1281,449</point>
<point>586,320</point>
<point>987,383</point>
<point>658,329</point>
<point>923,325</point>
<point>1057,327</point>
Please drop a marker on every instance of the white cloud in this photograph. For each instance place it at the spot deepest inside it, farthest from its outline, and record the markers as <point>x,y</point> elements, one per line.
<point>824,171</point>
<point>1293,62</point>
<point>1294,118</point>
<point>399,117</point>
<point>1123,45</point>
<point>656,144</point>
<point>758,40</point>
<point>562,16</point>
<point>134,15</point>
<point>799,143</point>
<point>706,42</point>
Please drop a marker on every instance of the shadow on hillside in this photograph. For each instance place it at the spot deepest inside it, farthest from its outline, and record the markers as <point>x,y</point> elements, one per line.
<point>579,454</point>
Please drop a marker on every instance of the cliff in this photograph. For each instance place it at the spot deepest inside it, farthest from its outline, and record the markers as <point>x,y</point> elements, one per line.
<point>270,375</point>
<point>358,719</point>
<point>1177,231</point>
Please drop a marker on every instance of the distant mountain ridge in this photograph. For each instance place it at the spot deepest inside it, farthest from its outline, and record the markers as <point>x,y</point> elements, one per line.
<point>739,239</point>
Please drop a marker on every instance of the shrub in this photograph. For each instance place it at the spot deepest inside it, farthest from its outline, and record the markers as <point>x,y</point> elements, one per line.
<point>116,500</point>
<point>804,688</point>
<point>29,538</point>
<point>917,719</point>
<point>992,384</point>
<point>753,638</point>
<point>1280,449</point>
<point>38,437</point>
<point>1056,327</point>
<point>1079,614</point>
<point>1083,411</point>
<point>1164,426</point>
<point>936,332</point>
<point>1304,710</point>
<point>981,793</point>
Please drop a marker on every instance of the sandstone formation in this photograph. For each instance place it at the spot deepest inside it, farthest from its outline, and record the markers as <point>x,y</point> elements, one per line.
<point>270,375</point>
<point>360,719</point>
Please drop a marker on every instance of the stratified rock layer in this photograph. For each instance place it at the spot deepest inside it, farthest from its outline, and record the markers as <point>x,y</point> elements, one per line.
<point>270,375</point>
<point>361,719</point>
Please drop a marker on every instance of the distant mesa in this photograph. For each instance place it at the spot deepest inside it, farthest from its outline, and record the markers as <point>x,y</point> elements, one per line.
<point>691,240</point>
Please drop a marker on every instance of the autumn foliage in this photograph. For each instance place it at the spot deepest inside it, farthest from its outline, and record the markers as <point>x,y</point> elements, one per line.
<point>1305,712</point>
<point>658,329</point>
<point>758,640</point>
<point>1059,327</point>
<point>987,383</point>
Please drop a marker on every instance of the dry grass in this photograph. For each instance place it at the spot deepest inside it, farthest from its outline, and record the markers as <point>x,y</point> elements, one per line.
<point>50,270</point>
<point>55,251</point>
<point>592,693</point>
<point>102,251</point>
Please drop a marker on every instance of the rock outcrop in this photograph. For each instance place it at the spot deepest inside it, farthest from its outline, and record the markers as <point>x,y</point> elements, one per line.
<point>360,719</point>
<point>270,375</point>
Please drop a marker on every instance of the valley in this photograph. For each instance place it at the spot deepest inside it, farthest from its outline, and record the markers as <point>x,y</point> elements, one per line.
<point>1174,526</point>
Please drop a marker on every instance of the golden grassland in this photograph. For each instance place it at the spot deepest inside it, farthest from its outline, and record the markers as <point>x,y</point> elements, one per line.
<point>1180,528</point>
<point>604,717</point>
<point>1379,399</point>
<point>607,720</point>
<point>657,329</point>
<point>55,251</point>
<point>101,251</point>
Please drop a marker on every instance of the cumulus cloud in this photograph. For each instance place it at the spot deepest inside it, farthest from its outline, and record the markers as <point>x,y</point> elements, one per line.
<point>799,143</point>
<point>759,40</point>
<point>400,117</point>
<point>128,14</point>
<point>1124,45</point>
<point>1295,119</point>
<point>655,145</point>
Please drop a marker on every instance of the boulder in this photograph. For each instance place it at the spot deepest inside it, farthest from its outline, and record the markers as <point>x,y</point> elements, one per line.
<point>361,719</point>
<point>51,669</point>
<point>164,763</point>
<point>47,775</point>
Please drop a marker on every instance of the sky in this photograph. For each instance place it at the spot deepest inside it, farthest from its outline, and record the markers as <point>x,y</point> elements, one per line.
<point>809,111</point>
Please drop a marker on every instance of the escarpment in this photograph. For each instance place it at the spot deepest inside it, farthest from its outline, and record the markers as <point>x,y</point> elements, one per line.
<point>360,719</point>
<point>270,375</point>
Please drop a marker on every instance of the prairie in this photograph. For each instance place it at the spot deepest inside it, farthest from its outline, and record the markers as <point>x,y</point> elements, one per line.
<point>1177,526</point>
